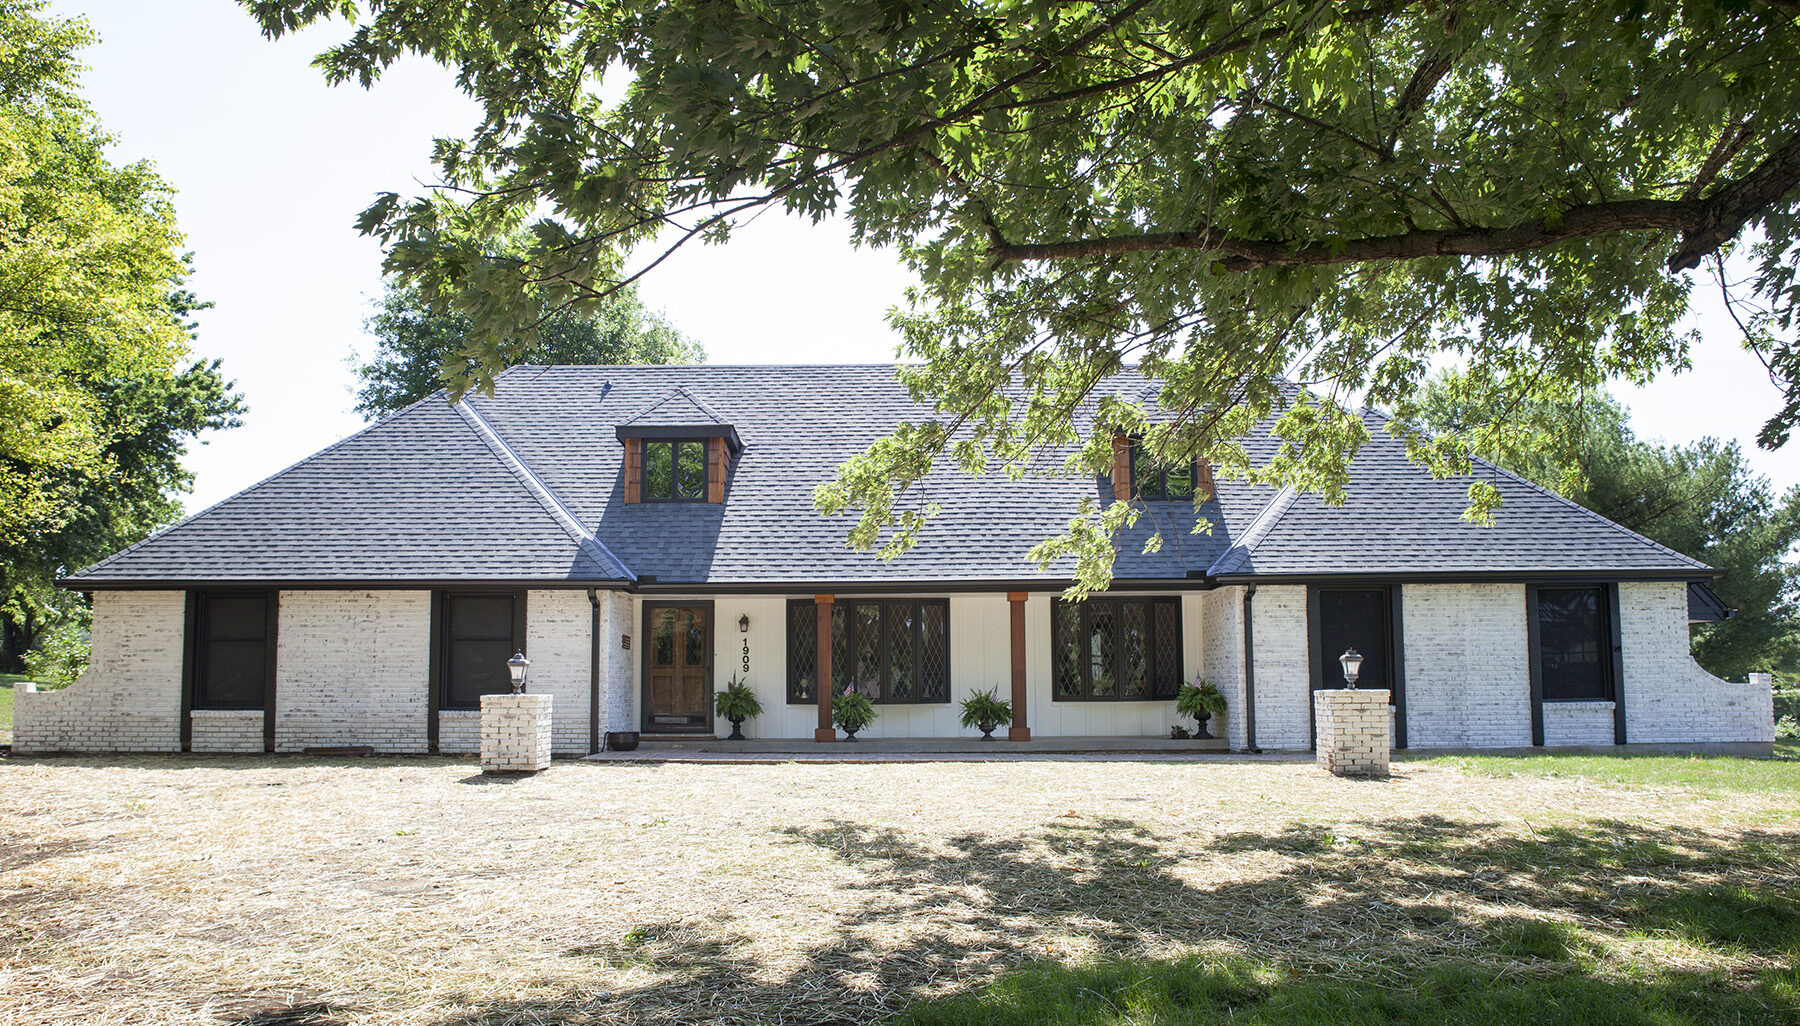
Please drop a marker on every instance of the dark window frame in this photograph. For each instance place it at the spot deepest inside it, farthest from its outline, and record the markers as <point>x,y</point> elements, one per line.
<point>1153,483</point>
<point>842,619</point>
<point>1157,693</point>
<point>441,667</point>
<point>674,444</point>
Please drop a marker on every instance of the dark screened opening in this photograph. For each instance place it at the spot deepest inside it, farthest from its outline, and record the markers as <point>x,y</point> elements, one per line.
<point>231,651</point>
<point>1574,644</point>
<point>896,651</point>
<point>1355,618</point>
<point>1116,649</point>
<point>1151,482</point>
<point>478,640</point>
<point>675,471</point>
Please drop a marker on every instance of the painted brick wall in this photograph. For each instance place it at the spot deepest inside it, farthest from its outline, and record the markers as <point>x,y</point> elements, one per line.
<point>129,700</point>
<point>1668,697</point>
<point>558,624</point>
<point>1578,723</point>
<point>1468,678</point>
<point>228,730</point>
<point>1219,646</point>
<point>1283,679</point>
<point>618,665</point>
<point>459,731</point>
<point>353,668</point>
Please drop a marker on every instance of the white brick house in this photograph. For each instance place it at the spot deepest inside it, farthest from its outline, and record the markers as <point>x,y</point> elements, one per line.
<point>645,535</point>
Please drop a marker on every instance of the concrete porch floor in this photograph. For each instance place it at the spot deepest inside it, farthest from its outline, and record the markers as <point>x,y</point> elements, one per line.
<point>917,749</point>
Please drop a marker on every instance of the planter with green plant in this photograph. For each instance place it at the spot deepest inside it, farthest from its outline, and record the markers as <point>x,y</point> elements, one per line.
<point>852,711</point>
<point>986,710</point>
<point>736,703</point>
<point>1201,700</point>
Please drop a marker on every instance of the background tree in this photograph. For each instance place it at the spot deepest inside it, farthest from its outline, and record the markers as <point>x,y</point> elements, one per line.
<point>1223,192</point>
<point>417,349</point>
<point>1700,500</point>
<point>99,393</point>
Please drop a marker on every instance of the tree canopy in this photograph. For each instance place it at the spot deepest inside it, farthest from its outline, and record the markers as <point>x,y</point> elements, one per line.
<point>1700,499</point>
<point>99,392</point>
<point>1220,193</point>
<point>418,349</point>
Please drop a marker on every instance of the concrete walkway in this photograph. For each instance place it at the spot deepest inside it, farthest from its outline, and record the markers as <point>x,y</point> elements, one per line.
<point>1066,749</point>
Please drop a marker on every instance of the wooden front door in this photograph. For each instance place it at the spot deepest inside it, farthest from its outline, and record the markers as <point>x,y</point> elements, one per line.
<point>678,668</point>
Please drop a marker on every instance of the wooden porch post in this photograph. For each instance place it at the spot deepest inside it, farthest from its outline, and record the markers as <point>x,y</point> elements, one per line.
<point>825,731</point>
<point>1019,731</point>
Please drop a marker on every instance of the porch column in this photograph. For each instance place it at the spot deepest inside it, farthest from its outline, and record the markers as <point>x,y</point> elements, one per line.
<point>1019,731</point>
<point>825,730</point>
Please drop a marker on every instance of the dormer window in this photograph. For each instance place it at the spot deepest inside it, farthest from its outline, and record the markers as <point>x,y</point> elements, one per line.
<point>675,470</point>
<point>678,450</point>
<point>1136,477</point>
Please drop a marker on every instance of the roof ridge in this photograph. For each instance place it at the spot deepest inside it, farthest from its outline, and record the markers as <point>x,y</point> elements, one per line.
<point>1565,500</point>
<point>296,465</point>
<point>547,498</point>
<point>1260,526</point>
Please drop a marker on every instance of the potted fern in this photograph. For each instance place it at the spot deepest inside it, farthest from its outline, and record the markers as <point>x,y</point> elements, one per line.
<point>852,711</point>
<point>736,703</point>
<point>1202,700</point>
<point>986,710</point>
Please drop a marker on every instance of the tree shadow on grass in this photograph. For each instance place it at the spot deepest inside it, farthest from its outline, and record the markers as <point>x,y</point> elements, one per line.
<point>1422,920</point>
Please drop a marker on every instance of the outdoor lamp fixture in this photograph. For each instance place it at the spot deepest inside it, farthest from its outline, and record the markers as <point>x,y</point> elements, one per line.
<point>744,624</point>
<point>516,666</point>
<point>1352,660</point>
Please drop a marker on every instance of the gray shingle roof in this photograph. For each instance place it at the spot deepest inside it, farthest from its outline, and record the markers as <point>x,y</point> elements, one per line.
<point>427,495</point>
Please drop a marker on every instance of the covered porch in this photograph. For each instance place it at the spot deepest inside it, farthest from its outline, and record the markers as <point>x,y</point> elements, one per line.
<point>904,749</point>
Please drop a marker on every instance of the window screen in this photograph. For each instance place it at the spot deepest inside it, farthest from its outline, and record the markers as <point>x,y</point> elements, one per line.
<point>231,650</point>
<point>1574,644</point>
<point>478,639</point>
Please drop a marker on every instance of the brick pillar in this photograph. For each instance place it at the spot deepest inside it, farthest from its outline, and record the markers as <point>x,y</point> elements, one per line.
<point>515,733</point>
<point>825,730</point>
<point>1020,730</point>
<point>1352,731</point>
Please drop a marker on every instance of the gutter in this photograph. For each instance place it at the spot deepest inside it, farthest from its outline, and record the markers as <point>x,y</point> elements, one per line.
<point>1249,673</point>
<point>594,674</point>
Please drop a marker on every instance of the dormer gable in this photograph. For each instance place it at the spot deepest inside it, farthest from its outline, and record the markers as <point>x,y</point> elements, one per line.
<point>678,449</point>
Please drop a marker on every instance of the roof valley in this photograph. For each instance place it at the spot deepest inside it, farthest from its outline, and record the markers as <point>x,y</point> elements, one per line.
<point>548,499</point>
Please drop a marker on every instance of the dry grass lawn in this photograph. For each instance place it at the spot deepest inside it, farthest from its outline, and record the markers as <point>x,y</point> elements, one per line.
<point>152,890</point>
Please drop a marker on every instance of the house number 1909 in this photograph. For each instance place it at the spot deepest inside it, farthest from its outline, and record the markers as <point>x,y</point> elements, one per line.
<point>746,655</point>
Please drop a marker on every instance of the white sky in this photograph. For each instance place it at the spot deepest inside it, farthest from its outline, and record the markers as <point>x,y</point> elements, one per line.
<point>272,167</point>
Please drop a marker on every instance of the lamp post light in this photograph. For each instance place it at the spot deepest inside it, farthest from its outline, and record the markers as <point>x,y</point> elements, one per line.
<point>1352,661</point>
<point>744,624</point>
<point>516,666</point>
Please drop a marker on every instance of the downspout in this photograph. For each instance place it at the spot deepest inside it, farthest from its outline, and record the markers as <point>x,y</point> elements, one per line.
<point>594,674</point>
<point>1249,674</point>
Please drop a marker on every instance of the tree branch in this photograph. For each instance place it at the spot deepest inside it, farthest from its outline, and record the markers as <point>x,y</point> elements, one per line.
<point>1705,224</point>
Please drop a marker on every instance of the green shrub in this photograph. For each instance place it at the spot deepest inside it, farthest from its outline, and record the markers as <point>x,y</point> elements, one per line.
<point>736,702</point>
<point>1201,698</point>
<point>61,653</point>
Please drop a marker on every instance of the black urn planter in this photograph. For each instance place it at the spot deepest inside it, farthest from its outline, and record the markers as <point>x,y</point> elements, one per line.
<point>850,734</point>
<point>1200,732</point>
<point>737,729</point>
<point>987,730</point>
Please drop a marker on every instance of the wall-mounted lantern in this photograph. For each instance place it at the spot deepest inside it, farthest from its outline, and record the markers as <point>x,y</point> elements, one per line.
<point>744,624</point>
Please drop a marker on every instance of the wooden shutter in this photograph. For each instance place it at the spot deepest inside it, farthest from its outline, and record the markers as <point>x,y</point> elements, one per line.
<point>1121,475</point>
<point>634,469</point>
<point>1203,477</point>
<point>718,467</point>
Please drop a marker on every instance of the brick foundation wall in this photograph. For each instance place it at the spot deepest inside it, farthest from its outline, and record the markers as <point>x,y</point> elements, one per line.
<point>129,700</point>
<point>228,730</point>
<point>459,731</point>
<point>353,668</point>
<point>1668,697</point>
<point>1578,723</point>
